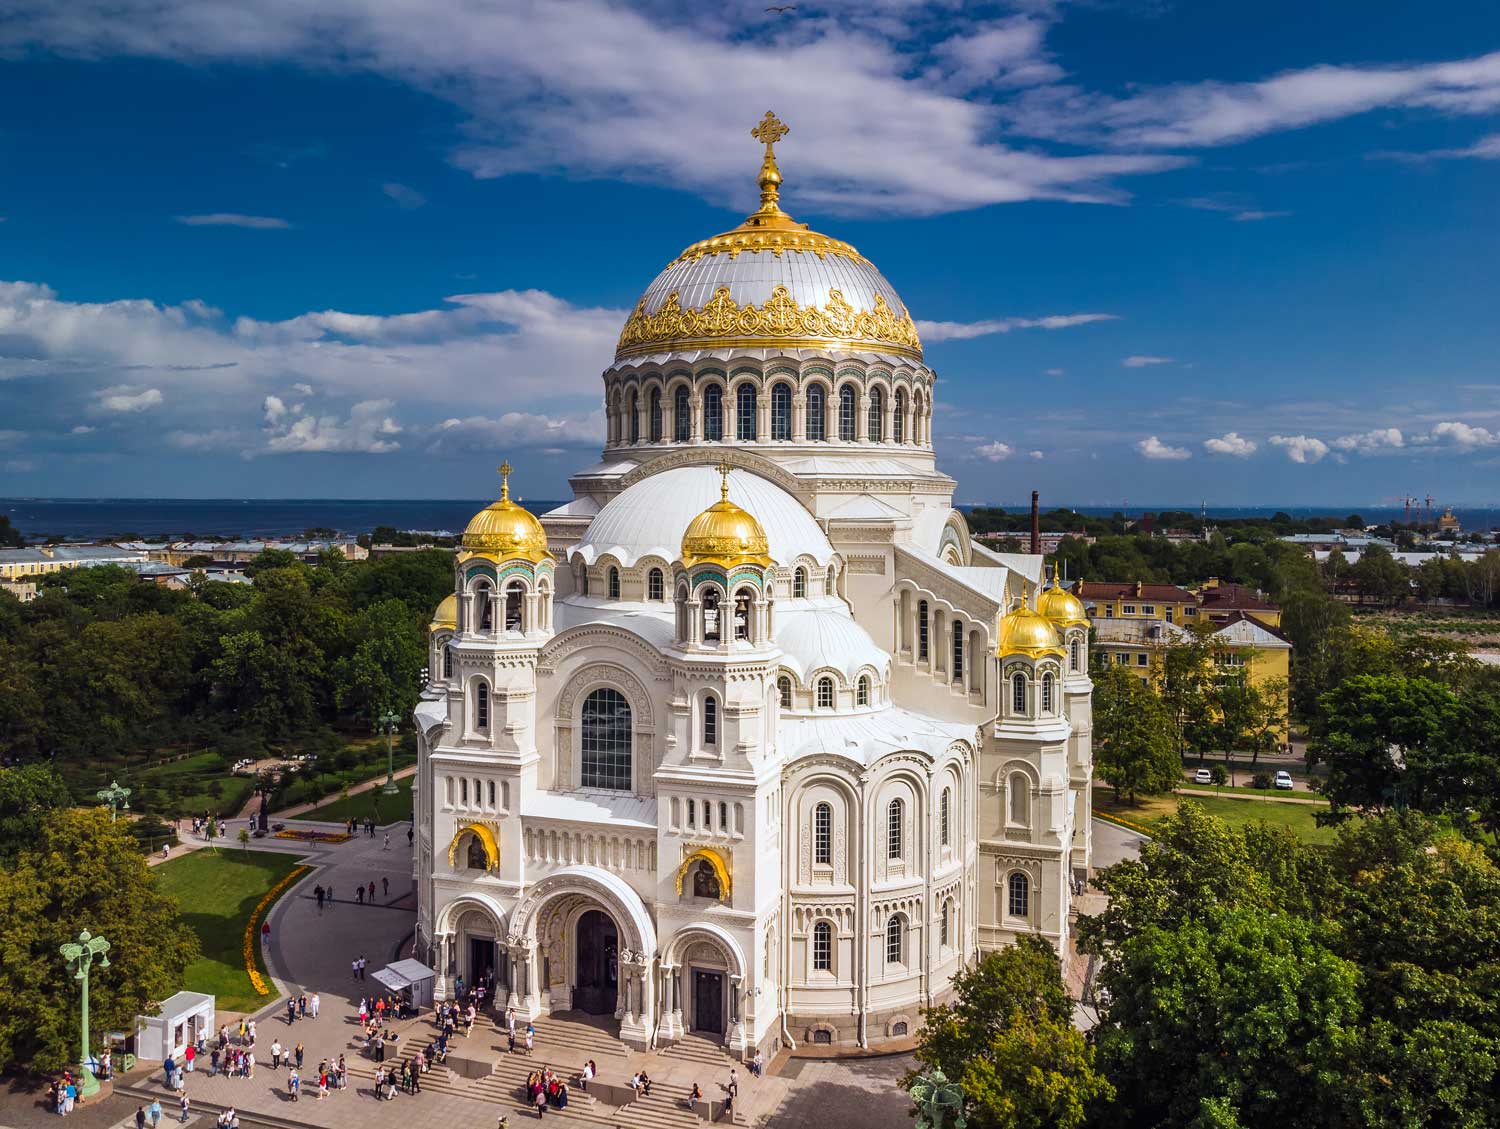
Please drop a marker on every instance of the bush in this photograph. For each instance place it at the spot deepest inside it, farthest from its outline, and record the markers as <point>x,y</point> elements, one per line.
<point>1261,780</point>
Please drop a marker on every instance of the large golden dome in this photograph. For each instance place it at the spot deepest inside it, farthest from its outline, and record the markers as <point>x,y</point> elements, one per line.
<point>504,531</point>
<point>1061,606</point>
<point>725,534</point>
<point>1028,632</point>
<point>770,282</point>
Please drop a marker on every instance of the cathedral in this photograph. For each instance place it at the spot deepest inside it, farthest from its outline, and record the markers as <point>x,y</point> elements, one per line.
<point>750,739</point>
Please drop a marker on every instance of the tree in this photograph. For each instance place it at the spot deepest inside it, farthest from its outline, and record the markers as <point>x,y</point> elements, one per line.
<point>1186,681</point>
<point>381,674</point>
<point>1248,715</point>
<point>1371,730</point>
<point>28,793</point>
<point>82,872</point>
<point>1134,749</point>
<point>1007,1038</point>
<point>244,838</point>
<point>1217,776</point>
<point>1379,575</point>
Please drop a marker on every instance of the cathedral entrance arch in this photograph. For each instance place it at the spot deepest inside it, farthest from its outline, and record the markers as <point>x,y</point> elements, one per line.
<point>469,942</point>
<point>704,974</point>
<point>596,964</point>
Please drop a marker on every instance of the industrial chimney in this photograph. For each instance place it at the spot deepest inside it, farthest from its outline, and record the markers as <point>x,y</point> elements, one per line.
<point>1036,522</point>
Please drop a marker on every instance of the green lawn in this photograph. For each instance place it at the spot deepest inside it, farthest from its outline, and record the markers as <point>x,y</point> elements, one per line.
<point>385,809</point>
<point>218,891</point>
<point>1235,812</point>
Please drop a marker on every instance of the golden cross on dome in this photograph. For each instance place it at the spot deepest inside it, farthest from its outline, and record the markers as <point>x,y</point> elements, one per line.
<point>724,469</point>
<point>770,130</point>
<point>505,468</point>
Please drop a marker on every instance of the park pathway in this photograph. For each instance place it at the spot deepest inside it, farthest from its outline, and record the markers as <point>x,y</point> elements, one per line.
<point>1272,799</point>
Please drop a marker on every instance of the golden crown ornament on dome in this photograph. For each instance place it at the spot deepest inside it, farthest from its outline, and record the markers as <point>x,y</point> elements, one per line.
<point>1025,631</point>
<point>725,534</point>
<point>504,530</point>
<point>1061,606</point>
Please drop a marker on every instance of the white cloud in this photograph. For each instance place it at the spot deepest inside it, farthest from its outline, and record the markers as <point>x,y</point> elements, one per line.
<point>1251,215</point>
<point>1487,148</point>
<point>1053,372</point>
<point>516,429</point>
<point>403,196</point>
<point>274,408</point>
<point>1154,448</point>
<point>1142,362</point>
<point>1196,114</point>
<point>121,399</point>
<point>10,435</point>
<point>82,429</point>
<point>234,219</point>
<point>933,331</point>
<point>1300,448</point>
<point>19,466</point>
<point>302,389</point>
<point>995,452</point>
<point>1001,53</point>
<point>1369,442</point>
<point>1035,455</point>
<point>1231,443</point>
<point>1464,436</point>
<point>369,429</point>
<point>1235,207</point>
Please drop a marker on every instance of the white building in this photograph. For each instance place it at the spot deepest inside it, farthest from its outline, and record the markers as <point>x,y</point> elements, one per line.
<point>750,738</point>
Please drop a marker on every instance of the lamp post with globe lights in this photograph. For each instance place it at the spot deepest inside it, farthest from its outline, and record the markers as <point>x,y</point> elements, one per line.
<point>387,724</point>
<point>81,954</point>
<point>115,798</point>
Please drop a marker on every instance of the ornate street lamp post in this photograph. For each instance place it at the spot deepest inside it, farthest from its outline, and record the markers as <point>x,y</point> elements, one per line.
<point>939,1102</point>
<point>114,797</point>
<point>387,724</point>
<point>81,954</point>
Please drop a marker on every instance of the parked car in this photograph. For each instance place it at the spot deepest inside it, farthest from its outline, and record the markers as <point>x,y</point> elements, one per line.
<point>1203,776</point>
<point>1284,780</point>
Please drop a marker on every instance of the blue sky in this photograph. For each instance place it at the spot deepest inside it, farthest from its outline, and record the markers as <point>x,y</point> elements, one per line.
<point>261,248</point>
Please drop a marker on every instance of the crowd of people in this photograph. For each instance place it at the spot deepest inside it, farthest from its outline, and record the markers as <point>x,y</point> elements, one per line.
<point>545,1088</point>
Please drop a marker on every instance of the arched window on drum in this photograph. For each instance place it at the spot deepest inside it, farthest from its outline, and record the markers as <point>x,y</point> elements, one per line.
<point>823,834</point>
<point>682,415</point>
<point>713,413</point>
<point>655,585</point>
<point>607,741</point>
<point>744,412</point>
<point>848,405</point>
<point>656,415</point>
<point>817,413</point>
<point>781,411</point>
<point>875,423</point>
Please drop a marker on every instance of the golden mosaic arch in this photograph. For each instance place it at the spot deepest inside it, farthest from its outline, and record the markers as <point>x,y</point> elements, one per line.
<point>486,839</point>
<point>716,863</point>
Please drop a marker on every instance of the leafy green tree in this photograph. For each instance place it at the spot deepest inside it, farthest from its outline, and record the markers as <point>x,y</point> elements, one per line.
<point>1217,776</point>
<point>28,793</point>
<point>1007,1038</point>
<point>23,716</point>
<point>1372,731</point>
<point>1379,576</point>
<point>381,674</point>
<point>1134,745</point>
<point>82,872</point>
<point>1186,682</point>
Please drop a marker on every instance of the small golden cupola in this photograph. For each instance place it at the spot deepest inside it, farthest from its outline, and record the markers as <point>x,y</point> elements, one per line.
<point>1060,606</point>
<point>724,534</point>
<point>1025,631</point>
<point>504,531</point>
<point>445,616</point>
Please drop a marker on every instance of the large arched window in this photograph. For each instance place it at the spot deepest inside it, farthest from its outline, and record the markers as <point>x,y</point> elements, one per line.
<point>895,829</point>
<point>614,583</point>
<point>606,740</point>
<point>1075,655</point>
<point>655,585</point>
<point>515,594</point>
<point>921,630</point>
<point>945,934</point>
<point>875,420</point>
<point>945,817</point>
<point>656,415</point>
<point>784,691</point>
<point>958,651</point>
<point>898,423</point>
<point>682,415</point>
<point>484,605</point>
<point>823,834</point>
<point>799,583</point>
<point>847,402</point>
<point>1018,895</point>
<point>781,410</point>
<point>830,581</point>
<point>862,691</point>
<point>482,707</point>
<point>711,616</point>
<point>633,408</point>
<point>1019,789</point>
<point>825,693</point>
<point>817,413</point>
<point>742,613</point>
<point>895,931</point>
<point>744,412</point>
<point>713,413</point>
<point>1047,693</point>
<point>710,721</point>
<point>1018,693</point>
<point>822,947</point>
<point>447,659</point>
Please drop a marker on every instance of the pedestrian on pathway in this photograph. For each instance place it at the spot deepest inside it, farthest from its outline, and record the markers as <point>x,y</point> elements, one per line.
<point>510,1021</point>
<point>302,1006</point>
<point>343,1072</point>
<point>541,1103</point>
<point>318,893</point>
<point>190,1055</point>
<point>294,1085</point>
<point>530,1038</point>
<point>249,1064</point>
<point>409,834</point>
<point>329,892</point>
<point>734,1083</point>
<point>265,932</point>
<point>140,1117</point>
<point>364,1006</point>
<point>154,1112</point>
<point>361,966</point>
<point>385,886</point>
<point>250,1032</point>
<point>291,1011</point>
<point>312,1005</point>
<point>372,891</point>
<point>297,1054</point>
<point>276,1054</point>
<point>359,895</point>
<point>213,1062</point>
<point>184,1109</point>
<point>387,844</point>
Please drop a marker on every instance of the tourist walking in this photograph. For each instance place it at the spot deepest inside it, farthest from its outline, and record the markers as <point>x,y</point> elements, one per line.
<point>372,891</point>
<point>276,1054</point>
<point>291,1011</point>
<point>364,1006</point>
<point>154,1112</point>
<point>189,1055</point>
<point>312,1004</point>
<point>140,1117</point>
<point>184,1109</point>
<point>361,966</point>
<point>541,1102</point>
<point>294,1085</point>
<point>343,1072</point>
<point>387,844</point>
<point>298,1054</point>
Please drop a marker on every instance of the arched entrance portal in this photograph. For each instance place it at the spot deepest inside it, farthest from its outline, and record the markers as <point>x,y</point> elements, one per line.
<point>596,971</point>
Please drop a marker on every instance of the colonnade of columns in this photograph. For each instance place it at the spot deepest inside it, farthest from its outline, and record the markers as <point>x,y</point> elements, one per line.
<point>955,648</point>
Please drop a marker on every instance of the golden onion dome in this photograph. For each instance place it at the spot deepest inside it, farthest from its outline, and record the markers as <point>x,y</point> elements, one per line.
<point>504,531</point>
<point>1026,631</point>
<point>725,534</point>
<point>1061,606</point>
<point>446,614</point>
<point>770,283</point>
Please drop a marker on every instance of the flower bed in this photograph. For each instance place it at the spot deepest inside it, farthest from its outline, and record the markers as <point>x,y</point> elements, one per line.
<point>257,981</point>
<point>1139,828</point>
<point>315,836</point>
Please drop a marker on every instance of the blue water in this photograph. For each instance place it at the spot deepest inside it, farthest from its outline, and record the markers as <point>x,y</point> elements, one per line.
<point>88,518</point>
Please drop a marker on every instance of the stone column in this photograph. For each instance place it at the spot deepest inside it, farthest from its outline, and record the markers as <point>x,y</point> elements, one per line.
<point>695,424</point>
<point>799,418</point>
<point>862,418</point>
